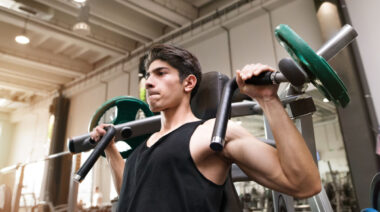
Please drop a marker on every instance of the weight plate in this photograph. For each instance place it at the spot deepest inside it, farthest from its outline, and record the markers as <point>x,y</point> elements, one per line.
<point>126,109</point>
<point>318,70</point>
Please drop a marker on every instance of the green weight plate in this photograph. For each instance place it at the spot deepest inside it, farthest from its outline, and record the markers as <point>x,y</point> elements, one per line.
<point>318,70</point>
<point>127,109</point>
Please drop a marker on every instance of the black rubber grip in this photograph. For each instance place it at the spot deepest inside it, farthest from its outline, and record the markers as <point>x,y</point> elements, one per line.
<point>222,116</point>
<point>78,144</point>
<point>264,78</point>
<point>102,144</point>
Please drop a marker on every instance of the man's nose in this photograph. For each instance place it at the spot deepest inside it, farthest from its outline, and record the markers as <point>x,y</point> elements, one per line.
<point>149,82</point>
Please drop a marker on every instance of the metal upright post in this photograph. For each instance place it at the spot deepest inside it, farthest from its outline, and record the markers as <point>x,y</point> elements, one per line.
<point>319,202</point>
<point>280,201</point>
<point>73,189</point>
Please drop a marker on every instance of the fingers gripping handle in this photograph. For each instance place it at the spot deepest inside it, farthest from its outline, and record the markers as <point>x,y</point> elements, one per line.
<point>103,143</point>
<point>262,79</point>
<point>267,78</point>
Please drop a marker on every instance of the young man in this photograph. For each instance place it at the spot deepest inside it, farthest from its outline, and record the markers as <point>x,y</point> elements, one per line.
<point>175,169</point>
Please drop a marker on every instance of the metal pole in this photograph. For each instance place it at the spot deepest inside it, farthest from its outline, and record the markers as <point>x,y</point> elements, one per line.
<point>344,37</point>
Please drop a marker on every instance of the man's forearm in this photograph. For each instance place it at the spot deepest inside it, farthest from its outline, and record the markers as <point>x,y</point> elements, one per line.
<point>295,158</point>
<point>117,164</point>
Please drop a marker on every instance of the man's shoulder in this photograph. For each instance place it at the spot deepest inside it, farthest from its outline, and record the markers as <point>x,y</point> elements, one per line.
<point>233,129</point>
<point>204,130</point>
<point>207,124</point>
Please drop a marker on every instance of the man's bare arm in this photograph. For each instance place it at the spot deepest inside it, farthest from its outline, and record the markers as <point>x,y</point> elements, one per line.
<point>289,168</point>
<point>116,164</point>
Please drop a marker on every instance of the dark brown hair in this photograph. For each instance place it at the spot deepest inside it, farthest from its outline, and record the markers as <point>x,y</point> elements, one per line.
<point>181,59</point>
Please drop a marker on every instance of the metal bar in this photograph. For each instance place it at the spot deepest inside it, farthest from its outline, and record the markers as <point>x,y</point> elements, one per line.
<point>73,191</point>
<point>152,124</point>
<point>14,167</point>
<point>334,45</point>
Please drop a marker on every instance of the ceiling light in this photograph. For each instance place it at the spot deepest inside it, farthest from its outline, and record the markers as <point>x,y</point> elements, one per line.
<point>3,102</point>
<point>22,39</point>
<point>82,28</point>
<point>80,1</point>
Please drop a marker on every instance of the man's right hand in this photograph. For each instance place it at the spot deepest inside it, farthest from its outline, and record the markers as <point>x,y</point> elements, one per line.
<point>113,156</point>
<point>98,132</point>
<point>258,92</point>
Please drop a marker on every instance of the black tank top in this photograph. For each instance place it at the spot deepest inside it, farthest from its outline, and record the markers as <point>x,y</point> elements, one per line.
<point>164,178</point>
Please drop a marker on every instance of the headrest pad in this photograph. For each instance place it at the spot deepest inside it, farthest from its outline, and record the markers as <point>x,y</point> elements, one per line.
<point>205,102</point>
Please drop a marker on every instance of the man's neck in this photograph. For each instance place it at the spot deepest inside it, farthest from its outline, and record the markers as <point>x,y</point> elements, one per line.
<point>175,117</point>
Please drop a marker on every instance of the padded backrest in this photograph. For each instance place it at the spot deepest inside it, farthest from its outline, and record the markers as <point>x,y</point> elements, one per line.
<point>205,102</point>
<point>204,105</point>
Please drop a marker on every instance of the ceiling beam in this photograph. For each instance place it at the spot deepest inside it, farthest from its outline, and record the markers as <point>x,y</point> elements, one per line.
<point>79,53</point>
<point>199,3</point>
<point>35,81</point>
<point>96,59</point>
<point>181,7</point>
<point>40,66</point>
<point>148,13</point>
<point>62,48</point>
<point>107,18</point>
<point>40,41</point>
<point>162,11</point>
<point>11,73</point>
<point>23,88</point>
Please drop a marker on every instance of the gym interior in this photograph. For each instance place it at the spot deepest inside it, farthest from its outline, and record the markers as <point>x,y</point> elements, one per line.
<point>77,56</point>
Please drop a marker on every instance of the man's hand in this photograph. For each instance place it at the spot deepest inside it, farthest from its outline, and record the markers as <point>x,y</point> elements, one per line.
<point>259,92</point>
<point>99,132</point>
<point>113,156</point>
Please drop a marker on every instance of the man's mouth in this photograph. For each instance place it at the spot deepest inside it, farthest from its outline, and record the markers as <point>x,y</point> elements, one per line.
<point>152,94</point>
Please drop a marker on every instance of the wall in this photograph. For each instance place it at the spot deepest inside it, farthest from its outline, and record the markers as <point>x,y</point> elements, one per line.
<point>29,142</point>
<point>30,137</point>
<point>6,131</point>
<point>364,17</point>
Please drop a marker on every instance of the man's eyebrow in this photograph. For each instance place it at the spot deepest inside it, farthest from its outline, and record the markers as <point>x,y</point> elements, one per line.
<point>157,69</point>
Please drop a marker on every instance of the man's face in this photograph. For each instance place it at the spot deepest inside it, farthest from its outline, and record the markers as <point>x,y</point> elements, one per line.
<point>163,87</point>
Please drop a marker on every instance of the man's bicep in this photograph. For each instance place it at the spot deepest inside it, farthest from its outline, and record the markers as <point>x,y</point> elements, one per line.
<point>256,158</point>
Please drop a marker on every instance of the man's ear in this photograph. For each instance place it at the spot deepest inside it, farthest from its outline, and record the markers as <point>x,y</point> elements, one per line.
<point>189,83</point>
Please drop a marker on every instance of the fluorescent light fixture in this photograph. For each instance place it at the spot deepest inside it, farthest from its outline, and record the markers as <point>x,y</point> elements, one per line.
<point>22,39</point>
<point>80,1</point>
